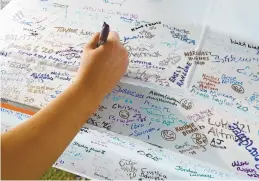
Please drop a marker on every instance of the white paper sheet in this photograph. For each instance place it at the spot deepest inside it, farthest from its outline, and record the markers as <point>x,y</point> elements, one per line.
<point>189,77</point>
<point>3,3</point>
<point>101,154</point>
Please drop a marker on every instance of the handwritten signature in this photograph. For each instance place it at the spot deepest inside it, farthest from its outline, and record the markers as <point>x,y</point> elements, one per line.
<point>247,72</point>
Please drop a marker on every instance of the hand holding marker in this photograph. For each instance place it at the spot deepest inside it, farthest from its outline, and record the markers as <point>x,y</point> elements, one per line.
<point>104,34</point>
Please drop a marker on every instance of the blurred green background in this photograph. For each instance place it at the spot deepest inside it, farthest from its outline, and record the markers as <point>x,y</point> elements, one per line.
<point>57,174</point>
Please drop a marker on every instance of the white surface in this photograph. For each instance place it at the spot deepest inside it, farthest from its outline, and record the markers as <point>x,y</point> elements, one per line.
<point>3,3</point>
<point>235,17</point>
<point>107,155</point>
<point>211,24</point>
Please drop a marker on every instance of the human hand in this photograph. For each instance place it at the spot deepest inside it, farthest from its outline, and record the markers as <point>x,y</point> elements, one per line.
<point>101,68</point>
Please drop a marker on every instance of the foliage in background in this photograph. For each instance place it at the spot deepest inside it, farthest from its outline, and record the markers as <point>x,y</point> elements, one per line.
<point>57,174</point>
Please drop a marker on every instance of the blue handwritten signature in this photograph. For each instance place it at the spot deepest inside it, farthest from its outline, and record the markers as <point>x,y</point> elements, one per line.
<point>246,141</point>
<point>130,38</point>
<point>232,58</point>
<point>247,72</point>
<point>118,89</point>
<point>119,2</point>
<point>230,80</point>
<point>167,120</point>
<point>254,99</point>
<point>169,44</point>
<point>4,53</point>
<point>41,76</point>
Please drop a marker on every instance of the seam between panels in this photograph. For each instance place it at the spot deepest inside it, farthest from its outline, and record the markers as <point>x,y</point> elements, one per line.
<point>204,30</point>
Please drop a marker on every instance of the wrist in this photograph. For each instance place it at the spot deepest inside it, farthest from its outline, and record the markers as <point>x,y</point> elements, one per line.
<point>90,97</point>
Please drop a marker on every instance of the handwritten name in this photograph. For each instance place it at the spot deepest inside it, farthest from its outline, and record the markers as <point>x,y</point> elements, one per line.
<point>41,76</point>
<point>242,139</point>
<point>146,25</point>
<point>230,80</point>
<point>183,72</point>
<point>233,59</point>
<point>118,89</point>
<point>66,30</point>
<point>87,149</point>
<point>236,42</point>
<point>182,37</point>
<point>192,173</point>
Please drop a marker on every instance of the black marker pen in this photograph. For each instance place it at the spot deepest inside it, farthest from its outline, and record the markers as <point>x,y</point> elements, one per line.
<point>104,34</point>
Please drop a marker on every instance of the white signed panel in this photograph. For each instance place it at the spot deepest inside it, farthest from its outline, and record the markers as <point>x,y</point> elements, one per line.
<point>229,77</point>
<point>190,90</point>
<point>3,3</point>
<point>96,153</point>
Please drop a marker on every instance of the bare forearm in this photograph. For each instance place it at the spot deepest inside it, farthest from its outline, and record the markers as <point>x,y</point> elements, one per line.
<point>31,148</point>
<point>41,140</point>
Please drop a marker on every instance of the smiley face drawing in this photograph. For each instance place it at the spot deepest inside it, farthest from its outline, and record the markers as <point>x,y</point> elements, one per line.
<point>124,114</point>
<point>168,135</point>
<point>186,104</point>
<point>199,139</point>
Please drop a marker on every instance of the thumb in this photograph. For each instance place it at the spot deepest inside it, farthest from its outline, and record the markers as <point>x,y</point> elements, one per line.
<point>92,44</point>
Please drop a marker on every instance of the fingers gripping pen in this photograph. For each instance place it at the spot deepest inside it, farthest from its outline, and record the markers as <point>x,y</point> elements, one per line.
<point>104,34</point>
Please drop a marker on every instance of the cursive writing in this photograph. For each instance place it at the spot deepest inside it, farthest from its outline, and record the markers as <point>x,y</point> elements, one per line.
<point>247,72</point>
<point>118,89</point>
<point>244,140</point>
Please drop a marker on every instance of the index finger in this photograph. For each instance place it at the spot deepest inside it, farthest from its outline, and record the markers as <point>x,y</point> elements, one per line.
<point>113,36</point>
